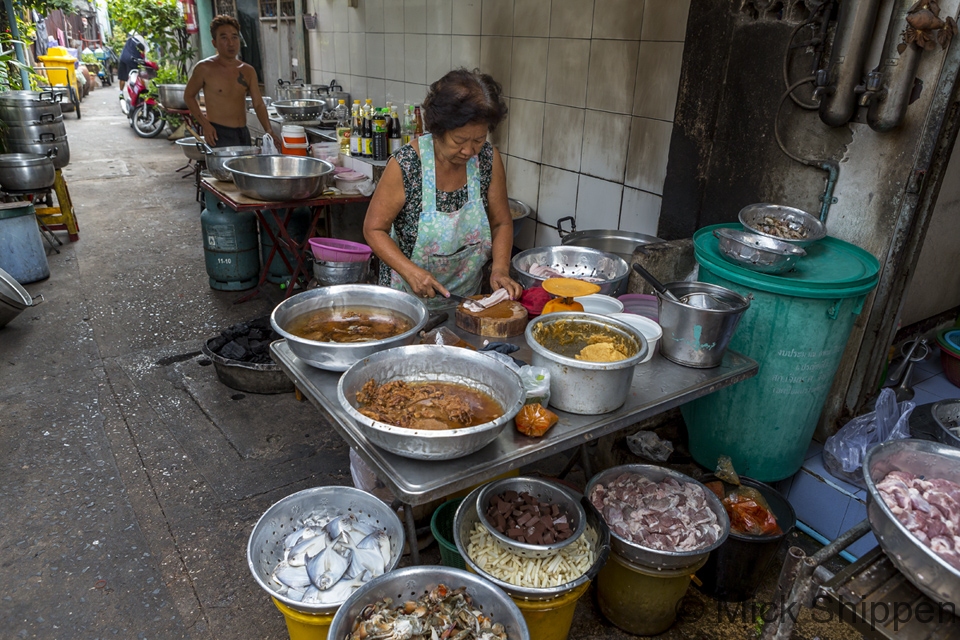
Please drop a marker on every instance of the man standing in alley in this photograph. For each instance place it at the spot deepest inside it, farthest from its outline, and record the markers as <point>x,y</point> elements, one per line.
<point>226,82</point>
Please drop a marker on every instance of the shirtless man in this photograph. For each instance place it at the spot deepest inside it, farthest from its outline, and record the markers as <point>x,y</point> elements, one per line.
<point>226,82</point>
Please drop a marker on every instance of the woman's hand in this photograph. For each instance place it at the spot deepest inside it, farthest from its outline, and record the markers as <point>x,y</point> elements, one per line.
<point>502,280</point>
<point>422,283</point>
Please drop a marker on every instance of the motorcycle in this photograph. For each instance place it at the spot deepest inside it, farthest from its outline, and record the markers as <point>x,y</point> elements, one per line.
<point>146,116</point>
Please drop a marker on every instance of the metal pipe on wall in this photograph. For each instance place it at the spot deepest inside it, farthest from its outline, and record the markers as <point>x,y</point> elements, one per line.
<point>855,25</point>
<point>899,70</point>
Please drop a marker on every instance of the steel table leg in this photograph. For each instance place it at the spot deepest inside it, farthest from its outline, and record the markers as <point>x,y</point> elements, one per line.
<point>411,533</point>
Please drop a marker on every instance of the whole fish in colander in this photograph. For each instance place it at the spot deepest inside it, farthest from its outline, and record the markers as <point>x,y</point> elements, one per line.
<point>326,559</point>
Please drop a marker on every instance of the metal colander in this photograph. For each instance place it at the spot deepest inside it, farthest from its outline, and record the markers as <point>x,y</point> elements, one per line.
<point>265,547</point>
<point>609,271</point>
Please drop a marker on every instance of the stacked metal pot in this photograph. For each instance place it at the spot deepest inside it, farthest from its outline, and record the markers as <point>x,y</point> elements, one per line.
<point>35,137</point>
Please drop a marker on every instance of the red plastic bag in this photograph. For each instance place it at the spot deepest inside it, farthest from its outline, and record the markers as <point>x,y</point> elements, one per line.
<point>749,517</point>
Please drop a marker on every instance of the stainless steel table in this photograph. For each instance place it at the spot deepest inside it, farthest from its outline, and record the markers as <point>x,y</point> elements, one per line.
<point>658,385</point>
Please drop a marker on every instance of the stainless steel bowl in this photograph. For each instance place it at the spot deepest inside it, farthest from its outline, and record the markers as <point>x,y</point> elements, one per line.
<point>338,356</point>
<point>13,298</point>
<point>423,363</point>
<point>190,148</point>
<point>753,215</point>
<point>333,273</point>
<point>544,491</point>
<point>652,558</point>
<point>596,531</point>
<point>925,569</point>
<point>299,110</point>
<point>412,582</point>
<point>518,210</point>
<point>694,336</point>
<point>579,386</point>
<point>217,156</point>
<point>278,178</point>
<point>265,546</point>
<point>171,95</point>
<point>756,252</point>
<point>611,271</point>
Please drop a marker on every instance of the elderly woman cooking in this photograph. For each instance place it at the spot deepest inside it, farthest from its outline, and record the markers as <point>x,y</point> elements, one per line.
<point>444,197</point>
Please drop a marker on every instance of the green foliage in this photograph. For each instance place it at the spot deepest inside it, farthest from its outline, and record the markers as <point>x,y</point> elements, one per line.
<point>89,58</point>
<point>160,22</point>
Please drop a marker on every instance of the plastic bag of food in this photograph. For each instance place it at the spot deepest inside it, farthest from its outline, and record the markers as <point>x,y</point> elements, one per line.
<point>536,382</point>
<point>844,451</point>
<point>444,337</point>
<point>534,421</point>
<point>648,444</point>
<point>750,514</point>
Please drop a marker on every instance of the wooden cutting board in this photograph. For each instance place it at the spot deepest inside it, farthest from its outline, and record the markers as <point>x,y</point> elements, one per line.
<point>503,320</point>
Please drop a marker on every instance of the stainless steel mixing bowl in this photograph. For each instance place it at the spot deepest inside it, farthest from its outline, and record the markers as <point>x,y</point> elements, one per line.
<point>340,356</point>
<point>610,271</point>
<point>299,110</point>
<point>753,215</point>
<point>432,363</point>
<point>278,178</point>
<point>217,156</point>
<point>597,532</point>
<point>544,491</point>
<point>412,582</point>
<point>265,546</point>
<point>930,573</point>
<point>756,252</point>
<point>652,558</point>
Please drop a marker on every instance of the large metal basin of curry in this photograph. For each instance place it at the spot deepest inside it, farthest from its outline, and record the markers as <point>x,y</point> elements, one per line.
<point>340,356</point>
<point>433,363</point>
<point>930,573</point>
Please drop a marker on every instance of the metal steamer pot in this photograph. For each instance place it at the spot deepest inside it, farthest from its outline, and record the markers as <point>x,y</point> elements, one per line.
<point>621,243</point>
<point>335,93</point>
<point>287,90</point>
<point>41,140</point>
<point>34,107</point>
<point>26,171</point>
<point>171,95</point>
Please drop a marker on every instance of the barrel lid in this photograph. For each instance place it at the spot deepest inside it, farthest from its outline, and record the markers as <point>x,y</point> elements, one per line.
<point>15,209</point>
<point>832,268</point>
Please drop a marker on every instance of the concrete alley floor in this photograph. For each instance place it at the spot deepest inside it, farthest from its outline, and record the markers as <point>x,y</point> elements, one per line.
<point>130,477</point>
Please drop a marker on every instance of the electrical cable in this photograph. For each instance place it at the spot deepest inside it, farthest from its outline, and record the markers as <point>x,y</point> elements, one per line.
<point>810,106</point>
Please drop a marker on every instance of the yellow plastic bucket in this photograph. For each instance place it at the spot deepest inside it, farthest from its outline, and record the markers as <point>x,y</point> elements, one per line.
<point>551,619</point>
<point>304,626</point>
<point>640,600</point>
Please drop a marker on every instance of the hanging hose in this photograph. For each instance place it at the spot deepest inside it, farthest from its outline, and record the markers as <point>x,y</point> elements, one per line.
<point>831,167</point>
<point>817,43</point>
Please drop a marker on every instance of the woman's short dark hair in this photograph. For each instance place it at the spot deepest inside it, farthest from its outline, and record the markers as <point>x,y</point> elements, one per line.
<point>460,98</point>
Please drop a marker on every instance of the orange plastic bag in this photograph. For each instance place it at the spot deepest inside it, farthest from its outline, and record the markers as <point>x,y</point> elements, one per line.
<point>534,421</point>
<point>749,517</point>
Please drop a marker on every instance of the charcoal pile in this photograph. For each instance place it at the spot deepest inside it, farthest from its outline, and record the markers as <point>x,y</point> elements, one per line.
<point>246,341</point>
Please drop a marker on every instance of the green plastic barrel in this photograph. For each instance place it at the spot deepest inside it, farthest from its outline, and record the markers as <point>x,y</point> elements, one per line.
<point>797,328</point>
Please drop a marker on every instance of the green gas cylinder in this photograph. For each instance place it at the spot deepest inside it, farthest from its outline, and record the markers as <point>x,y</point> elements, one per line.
<point>229,246</point>
<point>297,227</point>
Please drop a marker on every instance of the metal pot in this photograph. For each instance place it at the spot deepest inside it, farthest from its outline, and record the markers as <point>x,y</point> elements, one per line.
<point>278,178</point>
<point>26,171</point>
<point>694,336</point>
<point>216,156</point>
<point>35,131</point>
<point>20,141</point>
<point>18,107</point>
<point>13,298</point>
<point>621,243</point>
<point>297,91</point>
<point>580,386</point>
<point>171,95</point>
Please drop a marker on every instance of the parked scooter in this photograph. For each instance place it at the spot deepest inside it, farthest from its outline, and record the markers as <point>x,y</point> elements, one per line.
<point>144,113</point>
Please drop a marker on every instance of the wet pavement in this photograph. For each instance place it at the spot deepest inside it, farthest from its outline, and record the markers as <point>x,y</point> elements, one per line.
<point>130,477</point>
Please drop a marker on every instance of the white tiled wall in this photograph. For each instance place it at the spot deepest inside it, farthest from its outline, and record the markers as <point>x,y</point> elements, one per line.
<point>591,86</point>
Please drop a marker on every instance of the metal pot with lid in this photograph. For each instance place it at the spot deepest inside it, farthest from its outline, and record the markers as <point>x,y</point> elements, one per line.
<point>27,171</point>
<point>335,93</point>
<point>621,243</point>
<point>30,107</point>
<point>39,139</point>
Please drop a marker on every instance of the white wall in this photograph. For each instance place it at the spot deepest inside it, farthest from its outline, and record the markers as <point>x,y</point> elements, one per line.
<point>591,85</point>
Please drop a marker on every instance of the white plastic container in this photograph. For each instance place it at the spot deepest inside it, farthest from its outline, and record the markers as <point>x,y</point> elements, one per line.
<point>601,304</point>
<point>650,330</point>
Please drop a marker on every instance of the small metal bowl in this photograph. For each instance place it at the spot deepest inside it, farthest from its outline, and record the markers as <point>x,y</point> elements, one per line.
<point>544,491</point>
<point>433,363</point>
<point>412,582</point>
<point>340,356</point>
<point>757,252</point>
<point>596,531</point>
<point>752,217</point>
<point>611,271</point>
<point>518,210</point>
<point>265,546</point>
<point>216,156</point>
<point>654,558</point>
<point>190,148</point>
